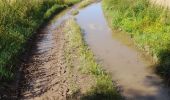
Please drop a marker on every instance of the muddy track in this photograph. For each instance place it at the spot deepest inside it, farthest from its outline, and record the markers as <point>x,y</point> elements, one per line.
<point>45,72</point>
<point>47,77</point>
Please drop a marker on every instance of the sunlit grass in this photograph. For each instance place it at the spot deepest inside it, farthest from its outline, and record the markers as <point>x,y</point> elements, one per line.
<point>85,3</point>
<point>74,12</point>
<point>70,2</point>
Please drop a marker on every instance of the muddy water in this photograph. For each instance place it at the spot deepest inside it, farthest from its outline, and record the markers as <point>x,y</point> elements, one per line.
<point>46,41</point>
<point>126,65</point>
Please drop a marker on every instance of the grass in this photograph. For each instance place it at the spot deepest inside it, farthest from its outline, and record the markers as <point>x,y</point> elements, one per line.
<point>74,12</point>
<point>85,3</point>
<point>148,24</point>
<point>70,2</point>
<point>104,89</point>
<point>19,20</point>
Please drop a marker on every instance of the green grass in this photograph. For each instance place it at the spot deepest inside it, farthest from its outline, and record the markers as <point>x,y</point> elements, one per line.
<point>85,3</point>
<point>18,21</point>
<point>54,9</point>
<point>148,24</point>
<point>74,12</point>
<point>78,51</point>
<point>70,2</point>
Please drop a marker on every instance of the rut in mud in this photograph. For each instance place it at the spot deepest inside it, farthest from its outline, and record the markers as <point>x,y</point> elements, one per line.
<point>45,71</point>
<point>47,75</point>
<point>128,67</point>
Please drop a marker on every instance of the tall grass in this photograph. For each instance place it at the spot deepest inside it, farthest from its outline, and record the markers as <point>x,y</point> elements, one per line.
<point>148,24</point>
<point>18,21</point>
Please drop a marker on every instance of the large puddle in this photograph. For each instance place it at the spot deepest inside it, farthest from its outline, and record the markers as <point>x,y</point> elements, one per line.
<point>126,65</point>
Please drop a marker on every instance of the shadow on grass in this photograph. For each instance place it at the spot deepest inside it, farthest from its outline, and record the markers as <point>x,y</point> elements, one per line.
<point>163,67</point>
<point>96,93</point>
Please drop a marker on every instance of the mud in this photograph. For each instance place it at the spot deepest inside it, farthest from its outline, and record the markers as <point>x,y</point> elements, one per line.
<point>46,74</point>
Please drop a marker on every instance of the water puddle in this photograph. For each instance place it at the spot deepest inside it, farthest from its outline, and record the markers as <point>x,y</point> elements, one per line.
<point>45,38</point>
<point>126,65</point>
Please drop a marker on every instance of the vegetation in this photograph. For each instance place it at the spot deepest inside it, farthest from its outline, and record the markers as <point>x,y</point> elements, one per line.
<point>70,2</point>
<point>148,24</point>
<point>19,19</point>
<point>77,50</point>
<point>74,12</point>
<point>85,3</point>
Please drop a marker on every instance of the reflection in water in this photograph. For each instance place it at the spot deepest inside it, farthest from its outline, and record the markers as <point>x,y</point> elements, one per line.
<point>124,63</point>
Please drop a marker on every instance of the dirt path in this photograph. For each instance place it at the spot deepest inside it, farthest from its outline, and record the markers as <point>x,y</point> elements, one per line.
<point>46,72</point>
<point>47,77</point>
<point>128,67</point>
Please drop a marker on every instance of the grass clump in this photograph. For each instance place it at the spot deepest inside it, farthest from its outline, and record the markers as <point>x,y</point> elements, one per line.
<point>85,61</point>
<point>85,3</point>
<point>148,24</point>
<point>18,21</point>
<point>55,8</point>
<point>74,12</point>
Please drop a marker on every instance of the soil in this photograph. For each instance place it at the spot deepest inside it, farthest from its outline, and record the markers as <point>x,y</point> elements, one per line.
<point>46,74</point>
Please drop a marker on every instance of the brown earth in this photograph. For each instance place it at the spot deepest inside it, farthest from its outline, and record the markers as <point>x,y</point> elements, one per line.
<point>46,73</point>
<point>45,70</point>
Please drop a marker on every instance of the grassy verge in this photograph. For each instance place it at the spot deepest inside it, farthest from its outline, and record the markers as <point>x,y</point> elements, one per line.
<point>85,3</point>
<point>74,12</point>
<point>19,19</point>
<point>148,24</point>
<point>82,4</point>
<point>85,61</point>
